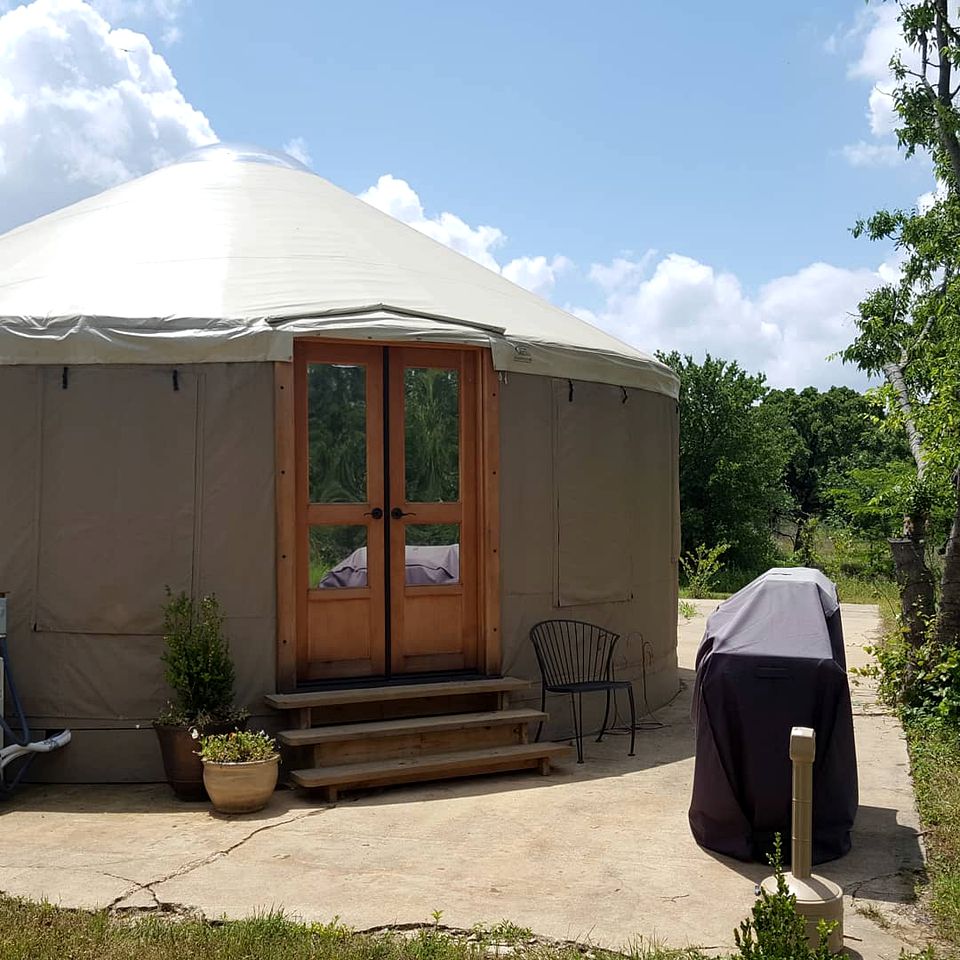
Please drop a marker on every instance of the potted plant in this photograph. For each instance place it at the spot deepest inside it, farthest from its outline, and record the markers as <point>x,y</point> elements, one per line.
<point>200,672</point>
<point>239,770</point>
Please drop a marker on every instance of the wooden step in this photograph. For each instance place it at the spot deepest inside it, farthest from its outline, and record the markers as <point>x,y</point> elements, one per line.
<point>464,763</point>
<point>392,692</point>
<point>339,733</point>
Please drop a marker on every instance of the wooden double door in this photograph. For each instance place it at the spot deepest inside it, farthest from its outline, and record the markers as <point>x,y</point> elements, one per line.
<point>388,512</point>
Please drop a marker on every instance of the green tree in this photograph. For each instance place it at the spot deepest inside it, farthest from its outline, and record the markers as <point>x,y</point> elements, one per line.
<point>827,435</point>
<point>909,331</point>
<point>731,461</point>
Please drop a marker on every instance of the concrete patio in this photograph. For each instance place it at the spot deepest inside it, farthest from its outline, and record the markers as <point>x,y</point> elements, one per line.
<point>600,852</point>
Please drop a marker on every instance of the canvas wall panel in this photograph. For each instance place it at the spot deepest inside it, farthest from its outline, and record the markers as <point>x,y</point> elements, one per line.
<point>194,469</point>
<point>65,677</point>
<point>647,620</point>
<point>236,550</point>
<point>528,499</point>
<point>19,449</point>
<point>650,471</point>
<point>599,488</point>
<point>117,498</point>
<point>236,518</point>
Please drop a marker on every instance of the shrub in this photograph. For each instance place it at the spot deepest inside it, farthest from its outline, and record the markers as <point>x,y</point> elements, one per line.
<point>923,683</point>
<point>240,746</point>
<point>774,930</point>
<point>197,660</point>
<point>702,566</point>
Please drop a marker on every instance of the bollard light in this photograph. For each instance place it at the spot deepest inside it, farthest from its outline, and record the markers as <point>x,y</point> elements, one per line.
<point>817,898</point>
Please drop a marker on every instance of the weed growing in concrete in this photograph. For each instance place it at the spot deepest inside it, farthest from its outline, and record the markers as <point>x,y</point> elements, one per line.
<point>775,931</point>
<point>687,610</point>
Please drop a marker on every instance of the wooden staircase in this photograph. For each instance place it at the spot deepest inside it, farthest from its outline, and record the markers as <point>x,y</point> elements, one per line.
<point>375,736</point>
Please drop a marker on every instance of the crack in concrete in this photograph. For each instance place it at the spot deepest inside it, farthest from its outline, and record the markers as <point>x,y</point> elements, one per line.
<point>190,866</point>
<point>852,890</point>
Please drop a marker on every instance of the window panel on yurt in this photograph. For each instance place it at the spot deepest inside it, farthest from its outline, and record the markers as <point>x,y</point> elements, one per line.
<point>596,493</point>
<point>117,501</point>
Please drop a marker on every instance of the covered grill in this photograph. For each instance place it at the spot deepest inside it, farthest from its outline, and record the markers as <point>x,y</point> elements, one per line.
<point>772,658</point>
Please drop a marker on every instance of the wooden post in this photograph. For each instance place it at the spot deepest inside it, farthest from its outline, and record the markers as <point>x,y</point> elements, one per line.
<point>285,481</point>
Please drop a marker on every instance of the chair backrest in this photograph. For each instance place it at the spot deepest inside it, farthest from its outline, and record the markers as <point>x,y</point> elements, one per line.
<point>571,651</point>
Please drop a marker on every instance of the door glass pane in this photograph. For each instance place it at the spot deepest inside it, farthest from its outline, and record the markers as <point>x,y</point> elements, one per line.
<point>432,434</point>
<point>338,557</point>
<point>337,432</point>
<point>432,553</point>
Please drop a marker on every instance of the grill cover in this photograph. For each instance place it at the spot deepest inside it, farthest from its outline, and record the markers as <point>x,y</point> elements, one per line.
<point>425,566</point>
<point>772,658</point>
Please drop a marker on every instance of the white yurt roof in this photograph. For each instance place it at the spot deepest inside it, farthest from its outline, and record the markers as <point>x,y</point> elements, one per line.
<point>229,254</point>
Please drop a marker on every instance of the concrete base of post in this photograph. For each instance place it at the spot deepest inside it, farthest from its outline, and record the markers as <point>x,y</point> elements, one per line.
<point>817,899</point>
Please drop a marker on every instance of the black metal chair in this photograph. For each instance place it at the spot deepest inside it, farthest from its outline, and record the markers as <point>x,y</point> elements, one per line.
<point>577,658</point>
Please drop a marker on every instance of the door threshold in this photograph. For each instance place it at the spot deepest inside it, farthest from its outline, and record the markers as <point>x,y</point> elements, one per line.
<point>350,683</point>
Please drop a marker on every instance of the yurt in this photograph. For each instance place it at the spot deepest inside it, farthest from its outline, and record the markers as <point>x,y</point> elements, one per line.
<point>387,461</point>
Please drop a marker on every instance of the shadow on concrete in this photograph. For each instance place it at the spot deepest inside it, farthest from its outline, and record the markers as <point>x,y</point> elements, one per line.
<point>885,862</point>
<point>664,736</point>
<point>127,798</point>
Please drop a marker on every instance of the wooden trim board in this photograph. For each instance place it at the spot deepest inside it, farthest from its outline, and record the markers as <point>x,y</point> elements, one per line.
<point>400,691</point>
<point>286,544</point>
<point>382,728</point>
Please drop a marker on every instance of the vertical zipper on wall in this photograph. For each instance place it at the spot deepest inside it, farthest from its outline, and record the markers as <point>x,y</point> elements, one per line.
<point>388,553</point>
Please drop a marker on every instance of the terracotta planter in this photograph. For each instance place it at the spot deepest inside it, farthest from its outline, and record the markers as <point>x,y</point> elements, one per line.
<point>181,763</point>
<point>241,787</point>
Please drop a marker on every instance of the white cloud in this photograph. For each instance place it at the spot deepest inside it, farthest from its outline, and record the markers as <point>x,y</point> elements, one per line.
<point>622,273</point>
<point>926,200</point>
<point>876,37</point>
<point>865,154</point>
<point>165,13</point>
<point>297,148</point>
<point>83,106</point>
<point>787,329</point>
<point>537,274</point>
<point>878,30</point>
<point>396,197</point>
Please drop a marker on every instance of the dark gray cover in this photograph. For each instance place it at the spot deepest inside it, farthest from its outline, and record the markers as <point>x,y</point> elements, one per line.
<point>772,658</point>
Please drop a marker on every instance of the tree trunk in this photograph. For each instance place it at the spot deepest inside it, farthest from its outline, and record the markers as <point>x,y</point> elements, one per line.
<point>917,599</point>
<point>917,596</point>
<point>948,621</point>
<point>799,537</point>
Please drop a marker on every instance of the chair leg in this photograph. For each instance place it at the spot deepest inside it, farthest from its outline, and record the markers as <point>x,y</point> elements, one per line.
<point>543,709</point>
<point>577,723</point>
<point>606,718</point>
<point>633,720</point>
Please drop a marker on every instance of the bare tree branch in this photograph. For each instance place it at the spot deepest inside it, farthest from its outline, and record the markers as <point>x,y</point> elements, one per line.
<point>894,374</point>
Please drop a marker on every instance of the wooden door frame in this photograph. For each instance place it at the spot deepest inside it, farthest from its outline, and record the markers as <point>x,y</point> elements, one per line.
<point>488,507</point>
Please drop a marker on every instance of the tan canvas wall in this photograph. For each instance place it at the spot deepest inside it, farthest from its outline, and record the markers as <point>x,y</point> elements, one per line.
<point>589,531</point>
<point>111,489</point>
<point>590,524</point>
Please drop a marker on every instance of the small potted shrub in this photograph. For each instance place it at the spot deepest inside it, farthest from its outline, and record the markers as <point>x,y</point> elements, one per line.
<point>200,672</point>
<point>239,770</point>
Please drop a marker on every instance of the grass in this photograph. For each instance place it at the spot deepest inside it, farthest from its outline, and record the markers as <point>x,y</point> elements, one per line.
<point>935,759</point>
<point>687,610</point>
<point>40,931</point>
<point>851,589</point>
<point>885,593</point>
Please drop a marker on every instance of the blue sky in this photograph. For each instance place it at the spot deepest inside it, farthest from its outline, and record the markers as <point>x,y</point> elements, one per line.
<point>687,172</point>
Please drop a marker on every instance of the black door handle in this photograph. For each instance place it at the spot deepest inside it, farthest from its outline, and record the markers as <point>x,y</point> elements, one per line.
<point>397,513</point>
<point>376,513</point>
